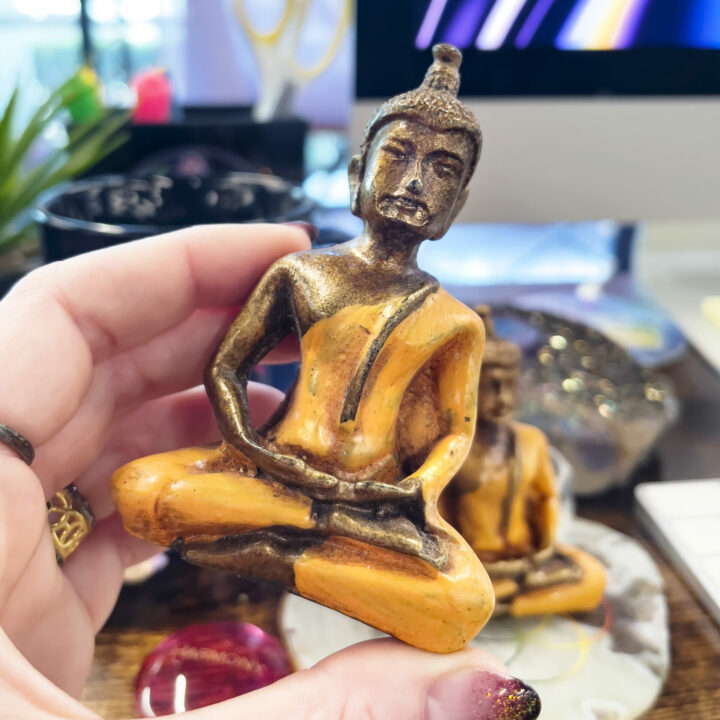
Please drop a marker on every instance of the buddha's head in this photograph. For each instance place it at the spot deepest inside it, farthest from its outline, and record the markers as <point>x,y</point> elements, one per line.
<point>499,375</point>
<point>419,153</point>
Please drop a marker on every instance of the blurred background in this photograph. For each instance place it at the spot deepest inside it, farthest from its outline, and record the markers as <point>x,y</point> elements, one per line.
<point>593,226</point>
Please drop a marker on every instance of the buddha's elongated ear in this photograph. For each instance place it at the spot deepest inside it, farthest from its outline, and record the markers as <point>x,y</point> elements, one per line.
<point>459,205</point>
<point>354,172</point>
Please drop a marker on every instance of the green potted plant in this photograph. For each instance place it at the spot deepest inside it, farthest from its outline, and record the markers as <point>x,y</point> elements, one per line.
<point>93,132</point>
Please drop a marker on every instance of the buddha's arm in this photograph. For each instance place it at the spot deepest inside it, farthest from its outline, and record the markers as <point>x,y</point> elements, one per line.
<point>266,318</point>
<point>545,490</point>
<point>458,374</point>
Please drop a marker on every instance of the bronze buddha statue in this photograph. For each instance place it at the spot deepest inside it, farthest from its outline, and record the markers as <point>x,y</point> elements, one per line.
<point>336,496</point>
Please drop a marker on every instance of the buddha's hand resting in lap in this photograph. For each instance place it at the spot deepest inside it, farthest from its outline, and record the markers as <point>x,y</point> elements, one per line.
<point>409,489</point>
<point>323,486</point>
<point>320,485</point>
<point>297,473</point>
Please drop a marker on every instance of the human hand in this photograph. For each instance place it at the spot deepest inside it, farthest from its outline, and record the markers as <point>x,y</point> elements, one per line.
<point>99,354</point>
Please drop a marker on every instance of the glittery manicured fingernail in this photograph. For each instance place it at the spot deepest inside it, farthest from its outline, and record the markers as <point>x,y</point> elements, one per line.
<point>310,230</point>
<point>480,695</point>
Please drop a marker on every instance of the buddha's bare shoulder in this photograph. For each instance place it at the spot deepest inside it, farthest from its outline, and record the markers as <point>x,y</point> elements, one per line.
<point>531,435</point>
<point>342,265</point>
<point>329,260</point>
<point>340,255</point>
<point>461,313</point>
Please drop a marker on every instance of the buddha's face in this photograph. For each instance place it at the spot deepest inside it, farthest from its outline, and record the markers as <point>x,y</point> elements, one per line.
<point>414,179</point>
<point>496,395</point>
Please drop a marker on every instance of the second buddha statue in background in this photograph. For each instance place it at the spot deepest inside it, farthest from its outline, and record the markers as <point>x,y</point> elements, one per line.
<point>504,501</point>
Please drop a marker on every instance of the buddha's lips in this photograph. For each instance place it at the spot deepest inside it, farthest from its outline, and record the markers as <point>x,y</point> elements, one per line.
<point>417,209</point>
<point>500,411</point>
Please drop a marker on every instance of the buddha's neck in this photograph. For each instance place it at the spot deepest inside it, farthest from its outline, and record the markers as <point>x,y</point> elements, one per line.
<point>398,252</point>
<point>492,432</point>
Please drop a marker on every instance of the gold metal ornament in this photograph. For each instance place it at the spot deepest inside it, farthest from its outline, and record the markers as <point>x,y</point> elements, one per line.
<point>70,520</point>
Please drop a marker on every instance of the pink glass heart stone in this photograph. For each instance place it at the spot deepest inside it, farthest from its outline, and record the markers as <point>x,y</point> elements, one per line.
<point>207,663</point>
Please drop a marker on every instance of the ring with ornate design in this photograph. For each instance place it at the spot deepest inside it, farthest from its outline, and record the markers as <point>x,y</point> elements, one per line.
<point>70,519</point>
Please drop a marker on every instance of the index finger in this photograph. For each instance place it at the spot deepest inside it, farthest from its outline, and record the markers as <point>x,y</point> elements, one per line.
<point>123,296</point>
<point>64,318</point>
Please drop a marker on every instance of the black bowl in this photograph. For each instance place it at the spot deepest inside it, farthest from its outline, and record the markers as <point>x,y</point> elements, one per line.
<point>112,209</point>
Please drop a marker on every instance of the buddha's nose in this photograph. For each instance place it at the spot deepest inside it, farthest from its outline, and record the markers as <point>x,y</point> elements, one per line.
<point>414,186</point>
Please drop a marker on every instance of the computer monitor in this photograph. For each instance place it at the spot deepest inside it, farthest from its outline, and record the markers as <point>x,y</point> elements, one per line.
<point>590,109</point>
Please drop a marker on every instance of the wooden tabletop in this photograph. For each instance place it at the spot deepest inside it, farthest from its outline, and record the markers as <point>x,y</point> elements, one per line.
<point>182,595</point>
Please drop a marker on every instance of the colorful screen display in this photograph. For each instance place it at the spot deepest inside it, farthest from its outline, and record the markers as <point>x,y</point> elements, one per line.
<point>544,47</point>
<point>570,24</point>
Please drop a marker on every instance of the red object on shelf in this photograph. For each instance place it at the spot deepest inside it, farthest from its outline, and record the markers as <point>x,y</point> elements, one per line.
<point>153,93</point>
<point>208,663</point>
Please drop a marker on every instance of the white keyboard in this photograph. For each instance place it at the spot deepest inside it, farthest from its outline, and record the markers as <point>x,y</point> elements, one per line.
<point>683,517</point>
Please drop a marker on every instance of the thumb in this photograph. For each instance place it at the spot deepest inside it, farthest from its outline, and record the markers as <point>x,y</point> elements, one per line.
<point>387,680</point>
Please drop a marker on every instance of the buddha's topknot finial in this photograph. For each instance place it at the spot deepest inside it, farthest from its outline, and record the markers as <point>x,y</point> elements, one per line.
<point>444,73</point>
